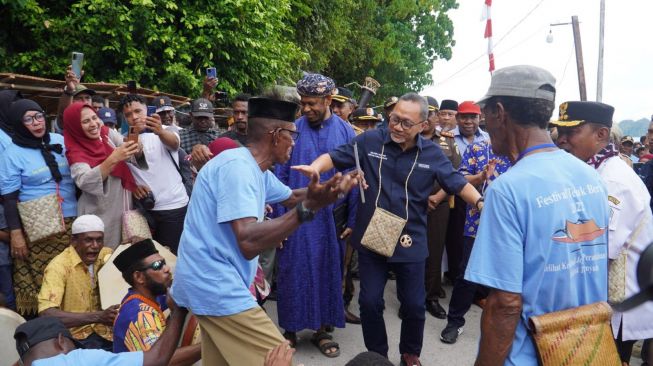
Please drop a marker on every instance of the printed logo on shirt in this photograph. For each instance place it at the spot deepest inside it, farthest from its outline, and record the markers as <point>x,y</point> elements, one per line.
<point>423,166</point>
<point>374,154</point>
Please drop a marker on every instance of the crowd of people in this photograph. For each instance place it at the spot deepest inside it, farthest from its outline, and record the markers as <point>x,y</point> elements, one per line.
<point>302,192</point>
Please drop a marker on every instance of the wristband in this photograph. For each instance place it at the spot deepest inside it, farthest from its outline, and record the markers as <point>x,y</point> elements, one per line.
<point>479,200</point>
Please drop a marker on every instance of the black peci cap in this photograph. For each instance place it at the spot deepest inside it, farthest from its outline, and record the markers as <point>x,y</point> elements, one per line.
<point>134,253</point>
<point>450,105</point>
<point>271,109</point>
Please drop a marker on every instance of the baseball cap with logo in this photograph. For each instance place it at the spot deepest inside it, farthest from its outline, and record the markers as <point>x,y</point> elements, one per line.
<point>201,108</point>
<point>626,139</point>
<point>107,115</point>
<point>521,81</point>
<point>163,103</point>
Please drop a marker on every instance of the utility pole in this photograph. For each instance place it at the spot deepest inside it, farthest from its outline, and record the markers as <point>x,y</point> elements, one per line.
<point>579,54</point>
<point>579,58</point>
<point>599,70</point>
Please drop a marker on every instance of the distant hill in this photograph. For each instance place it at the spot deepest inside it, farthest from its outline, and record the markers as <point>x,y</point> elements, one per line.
<point>634,128</point>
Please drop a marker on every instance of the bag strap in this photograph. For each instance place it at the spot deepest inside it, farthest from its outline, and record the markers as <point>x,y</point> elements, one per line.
<point>378,194</point>
<point>633,236</point>
<point>176,166</point>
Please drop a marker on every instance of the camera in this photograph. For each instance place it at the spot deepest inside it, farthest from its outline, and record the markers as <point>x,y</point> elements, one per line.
<point>148,201</point>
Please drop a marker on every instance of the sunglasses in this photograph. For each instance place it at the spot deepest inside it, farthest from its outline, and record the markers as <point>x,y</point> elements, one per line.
<point>155,266</point>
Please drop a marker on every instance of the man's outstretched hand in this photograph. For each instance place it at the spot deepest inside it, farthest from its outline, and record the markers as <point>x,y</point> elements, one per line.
<point>322,194</point>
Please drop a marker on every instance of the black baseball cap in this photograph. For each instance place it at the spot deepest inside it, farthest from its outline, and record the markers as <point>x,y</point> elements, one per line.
<point>35,331</point>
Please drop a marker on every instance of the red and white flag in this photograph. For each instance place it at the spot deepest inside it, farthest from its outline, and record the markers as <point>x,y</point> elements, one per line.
<point>488,32</point>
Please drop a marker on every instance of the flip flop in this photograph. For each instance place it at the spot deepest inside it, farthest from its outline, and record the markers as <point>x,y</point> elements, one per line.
<point>317,339</point>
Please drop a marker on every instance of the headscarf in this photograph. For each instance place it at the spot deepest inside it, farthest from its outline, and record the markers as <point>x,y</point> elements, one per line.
<point>6,98</point>
<point>24,138</point>
<point>221,144</point>
<point>81,149</point>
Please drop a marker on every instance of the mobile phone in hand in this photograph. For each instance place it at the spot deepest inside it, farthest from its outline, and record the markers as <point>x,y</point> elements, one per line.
<point>133,134</point>
<point>77,62</point>
<point>211,73</point>
<point>151,110</point>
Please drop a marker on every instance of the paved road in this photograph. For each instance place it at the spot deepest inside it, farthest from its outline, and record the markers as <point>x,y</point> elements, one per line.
<point>434,352</point>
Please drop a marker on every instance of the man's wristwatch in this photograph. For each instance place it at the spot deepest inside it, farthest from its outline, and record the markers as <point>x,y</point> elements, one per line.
<point>479,201</point>
<point>303,213</point>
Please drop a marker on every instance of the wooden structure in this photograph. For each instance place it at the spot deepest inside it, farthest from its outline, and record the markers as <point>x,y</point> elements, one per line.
<point>46,92</point>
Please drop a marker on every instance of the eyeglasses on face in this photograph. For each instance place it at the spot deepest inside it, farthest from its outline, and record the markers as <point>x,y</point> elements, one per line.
<point>293,134</point>
<point>30,120</point>
<point>155,266</point>
<point>405,123</point>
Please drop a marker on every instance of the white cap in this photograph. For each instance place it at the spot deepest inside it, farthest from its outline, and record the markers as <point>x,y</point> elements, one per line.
<point>87,223</point>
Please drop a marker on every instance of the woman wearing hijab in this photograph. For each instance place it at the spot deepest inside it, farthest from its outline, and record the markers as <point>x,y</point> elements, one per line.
<point>97,158</point>
<point>6,98</point>
<point>32,167</point>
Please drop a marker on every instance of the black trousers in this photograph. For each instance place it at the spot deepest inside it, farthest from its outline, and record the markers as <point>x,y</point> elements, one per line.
<point>168,225</point>
<point>437,223</point>
<point>410,291</point>
<point>94,341</point>
<point>454,242</point>
<point>463,293</point>
<point>348,280</point>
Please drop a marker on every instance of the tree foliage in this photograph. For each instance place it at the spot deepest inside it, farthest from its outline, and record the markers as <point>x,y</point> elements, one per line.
<point>167,44</point>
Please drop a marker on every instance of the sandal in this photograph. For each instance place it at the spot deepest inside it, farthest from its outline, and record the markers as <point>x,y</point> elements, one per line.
<point>291,337</point>
<point>318,340</point>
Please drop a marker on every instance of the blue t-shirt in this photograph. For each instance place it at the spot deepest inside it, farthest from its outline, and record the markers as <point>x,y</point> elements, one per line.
<point>5,141</point>
<point>23,169</point>
<point>93,357</point>
<point>212,275</point>
<point>543,234</point>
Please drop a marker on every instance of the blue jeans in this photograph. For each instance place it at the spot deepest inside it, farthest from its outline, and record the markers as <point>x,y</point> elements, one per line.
<point>373,270</point>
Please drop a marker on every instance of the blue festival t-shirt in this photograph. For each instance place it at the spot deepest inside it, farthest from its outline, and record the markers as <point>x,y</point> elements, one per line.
<point>474,161</point>
<point>92,357</point>
<point>24,169</point>
<point>212,276</point>
<point>543,234</point>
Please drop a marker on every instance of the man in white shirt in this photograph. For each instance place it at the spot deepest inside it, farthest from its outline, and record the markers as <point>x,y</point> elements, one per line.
<point>161,182</point>
<point>584,131</point>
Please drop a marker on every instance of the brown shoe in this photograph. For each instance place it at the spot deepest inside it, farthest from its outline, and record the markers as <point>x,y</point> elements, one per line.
<point>410,360</point>
<point>351,318</point>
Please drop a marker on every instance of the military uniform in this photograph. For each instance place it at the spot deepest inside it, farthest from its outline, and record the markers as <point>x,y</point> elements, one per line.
<point>438,220</point>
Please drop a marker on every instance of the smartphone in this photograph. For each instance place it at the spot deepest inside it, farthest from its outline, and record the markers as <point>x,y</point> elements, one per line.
<point>77,61</point>
<point>133,134</point>
<point>131,86</point>
<point>151,110</point>
<point>211,73</point>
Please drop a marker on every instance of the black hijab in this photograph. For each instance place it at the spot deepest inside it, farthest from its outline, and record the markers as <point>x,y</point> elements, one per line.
<point>6,98</point>
<point>24,138</point>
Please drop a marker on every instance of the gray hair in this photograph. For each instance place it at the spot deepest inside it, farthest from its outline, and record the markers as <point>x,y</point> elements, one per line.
<point>423,105</point>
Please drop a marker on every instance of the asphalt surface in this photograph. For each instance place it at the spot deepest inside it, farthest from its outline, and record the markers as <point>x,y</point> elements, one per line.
<point>434,352</point>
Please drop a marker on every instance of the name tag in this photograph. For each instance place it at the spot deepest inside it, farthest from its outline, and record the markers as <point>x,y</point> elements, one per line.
<point>376,155</point>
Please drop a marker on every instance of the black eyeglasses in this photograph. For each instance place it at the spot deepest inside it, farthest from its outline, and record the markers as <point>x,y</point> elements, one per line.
<point>155,266</point>
<point>293,134</point>
<point>405,123</point>
<point>29,120</point>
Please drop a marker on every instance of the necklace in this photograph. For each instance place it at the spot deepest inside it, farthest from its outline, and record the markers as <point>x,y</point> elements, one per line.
<point>533,148</point>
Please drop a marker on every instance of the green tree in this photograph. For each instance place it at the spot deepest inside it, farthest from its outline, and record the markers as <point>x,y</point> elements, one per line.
<point>163,44</point>
<point>395,42</point>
